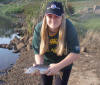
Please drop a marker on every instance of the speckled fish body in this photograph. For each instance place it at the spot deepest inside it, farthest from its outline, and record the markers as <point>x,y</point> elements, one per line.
<point>33,69</point>
<point>41,68</point>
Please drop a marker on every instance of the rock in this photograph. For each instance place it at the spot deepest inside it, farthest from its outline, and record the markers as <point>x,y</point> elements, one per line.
<point>20,32</point>
<point>24,39</point>
<point>30,40</point>
<point>23,50</point>
<point>16,40</point>
<point>3,45</point>
<point>28,47</point>
<point>15,51</point>
<point>10,47</point>
<point>20,45</point>
<point>7,46</point>
<point>83,49</point>
<point>14,43</point>
<point>15,46</point>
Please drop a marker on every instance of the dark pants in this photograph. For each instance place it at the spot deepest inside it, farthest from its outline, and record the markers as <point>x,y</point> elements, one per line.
<point>47,80</point>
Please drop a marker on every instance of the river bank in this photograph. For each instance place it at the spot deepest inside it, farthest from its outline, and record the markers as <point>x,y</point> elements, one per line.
<point>86,70</point>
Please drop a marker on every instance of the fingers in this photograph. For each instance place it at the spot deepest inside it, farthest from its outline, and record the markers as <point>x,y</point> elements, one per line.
<point>49,72</point>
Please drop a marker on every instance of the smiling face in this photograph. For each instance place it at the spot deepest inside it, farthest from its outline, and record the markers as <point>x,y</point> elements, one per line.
<point>53,22</point>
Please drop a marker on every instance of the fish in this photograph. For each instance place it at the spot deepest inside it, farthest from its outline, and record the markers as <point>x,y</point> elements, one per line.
<point>41,68</point>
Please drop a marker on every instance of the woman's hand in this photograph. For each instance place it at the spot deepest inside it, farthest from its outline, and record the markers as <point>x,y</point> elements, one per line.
<point>53,69</point>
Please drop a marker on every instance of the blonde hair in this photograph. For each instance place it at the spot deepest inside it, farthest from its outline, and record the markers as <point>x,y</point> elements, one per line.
<point>45,40</point>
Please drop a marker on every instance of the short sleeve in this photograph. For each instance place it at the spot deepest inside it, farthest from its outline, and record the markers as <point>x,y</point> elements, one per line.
<point>36,39</point>
<point>72,39</point>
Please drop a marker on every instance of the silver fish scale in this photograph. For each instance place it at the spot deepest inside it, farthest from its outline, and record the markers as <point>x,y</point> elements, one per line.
<point>41,68</point>
<point>33,69</point>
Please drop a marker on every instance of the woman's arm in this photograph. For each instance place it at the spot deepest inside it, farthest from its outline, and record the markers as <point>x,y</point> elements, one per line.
<point>68,60</point>
<point>54,68</point>
<point>39,59</point>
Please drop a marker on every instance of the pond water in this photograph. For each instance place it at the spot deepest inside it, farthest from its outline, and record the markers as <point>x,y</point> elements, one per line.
<point>7,57</point>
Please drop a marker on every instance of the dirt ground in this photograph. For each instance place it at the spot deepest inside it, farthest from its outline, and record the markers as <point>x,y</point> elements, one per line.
<point>86,70</point>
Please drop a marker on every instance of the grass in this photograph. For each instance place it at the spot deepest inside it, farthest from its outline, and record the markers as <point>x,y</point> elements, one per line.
<point>19,7</point>
<point>31,9</point>
<point>28,8</point>
<point>82,4</point>
<point>8,9</point>
<point>93,23</point>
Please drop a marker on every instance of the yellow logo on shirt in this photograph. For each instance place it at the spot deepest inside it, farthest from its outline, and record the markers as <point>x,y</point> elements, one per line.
<point>53,41</point>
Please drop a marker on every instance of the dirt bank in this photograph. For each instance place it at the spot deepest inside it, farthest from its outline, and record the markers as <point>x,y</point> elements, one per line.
<point>86,70</point>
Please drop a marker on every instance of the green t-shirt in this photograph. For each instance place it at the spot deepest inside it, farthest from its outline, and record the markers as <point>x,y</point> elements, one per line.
<point>50,56</point>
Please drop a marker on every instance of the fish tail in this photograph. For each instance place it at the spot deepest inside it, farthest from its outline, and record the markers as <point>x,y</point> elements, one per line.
<point>60,75</point>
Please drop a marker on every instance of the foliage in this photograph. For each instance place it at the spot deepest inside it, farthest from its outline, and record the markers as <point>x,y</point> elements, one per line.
<point>78,0</point>
<point>81,30</point>
<point>14,10</point>
<point>31,11</point>
<point>5,1</point>
<point>71,9</point>
<point>93,23</point>
<point>34,10</point>
<point>88,22</point>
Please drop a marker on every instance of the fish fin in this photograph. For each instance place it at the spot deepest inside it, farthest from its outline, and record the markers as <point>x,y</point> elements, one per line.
<point>60,75</point>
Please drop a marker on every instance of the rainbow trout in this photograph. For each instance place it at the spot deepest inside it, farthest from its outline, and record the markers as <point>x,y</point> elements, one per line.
<point>33,69</point>
<point>42,68</point>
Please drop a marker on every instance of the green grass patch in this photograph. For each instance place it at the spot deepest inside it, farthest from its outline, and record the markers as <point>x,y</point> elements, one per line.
<point>82,4</point>
<point>80,28</point>
<point>11,9</point>
<point>32,9</point>
<point>93,23</point>
<point>89,22</point>
<point>79,5</point>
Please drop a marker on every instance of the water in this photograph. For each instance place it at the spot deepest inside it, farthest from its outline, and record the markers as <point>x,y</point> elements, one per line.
<point>7,57</point>
<point>2,82</point>
<point>6,40</point>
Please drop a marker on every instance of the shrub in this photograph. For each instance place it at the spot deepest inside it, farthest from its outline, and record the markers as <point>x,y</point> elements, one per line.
<point>71,9</point>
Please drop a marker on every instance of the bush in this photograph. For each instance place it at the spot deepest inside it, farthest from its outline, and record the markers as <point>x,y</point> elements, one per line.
<point>31,11</point>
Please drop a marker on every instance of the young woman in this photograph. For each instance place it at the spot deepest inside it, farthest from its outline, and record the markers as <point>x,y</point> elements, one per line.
<point>55,43</point>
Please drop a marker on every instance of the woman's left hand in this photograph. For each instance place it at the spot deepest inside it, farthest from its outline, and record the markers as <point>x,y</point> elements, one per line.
<point>53,69</point>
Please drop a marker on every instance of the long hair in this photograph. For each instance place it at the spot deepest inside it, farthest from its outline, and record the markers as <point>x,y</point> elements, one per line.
<point>45,40</point>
